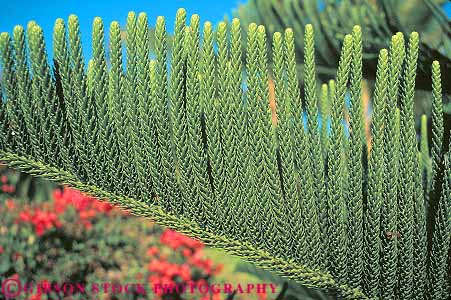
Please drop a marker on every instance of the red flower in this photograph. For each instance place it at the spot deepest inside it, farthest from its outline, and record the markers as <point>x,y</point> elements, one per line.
<point>171,271</point>
<point>192,251</point>
<point>176,240</point>
<point>8,188</point>
<point>41,220</point>
<point>1,250</point>
<point>156,266</point>
<point>39,229</point>
<point>87,207</point>
<point>187,252</point>
<point>154,279</point>
<point>152,251</point>
<point>185,272</point>
<point>10,204</point>
<point>35,297</point>
<point>44,282</point>
<point>24,216</point>
<point>4,179</point>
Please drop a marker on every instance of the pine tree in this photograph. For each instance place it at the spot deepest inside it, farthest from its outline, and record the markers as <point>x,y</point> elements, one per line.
<point>188,141</point>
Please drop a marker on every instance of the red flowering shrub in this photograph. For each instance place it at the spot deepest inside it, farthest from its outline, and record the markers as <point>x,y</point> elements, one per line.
<point>76,238</point>
<point>176,240</point>
<point>42,220</point>
<point>191,250</point>
<point>46,218</point>
<point>86,207</point>
<point>82,203</point>
<point>192,267</point>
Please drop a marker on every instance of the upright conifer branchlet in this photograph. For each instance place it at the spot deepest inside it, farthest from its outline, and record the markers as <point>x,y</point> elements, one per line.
<point>31,142</point>
<point>116,106</point>
<point>211,114</point>
<point>356,141</point>
<point>163,135</point>
<point>389,230</point>
<point>336,201</point>
<point>270,193</point>
<point>372,212</point>
<point>314,142</point>
<point>235,158</point>
<point>78,92</point>
<point>223,120</point>
<point>99,93</point>
<point>304,184</point>
<point>407,163</point>
<point>146,152</point>
<point>284,131</point>
<point>249,166</point>
<point>62,70</point>
<point>177,107</point>
<point>200,188</point>
<point>437,121</point>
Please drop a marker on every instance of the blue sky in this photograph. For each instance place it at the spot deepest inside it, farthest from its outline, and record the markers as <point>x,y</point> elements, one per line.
<point>46,12</point>
<point>447,8</point>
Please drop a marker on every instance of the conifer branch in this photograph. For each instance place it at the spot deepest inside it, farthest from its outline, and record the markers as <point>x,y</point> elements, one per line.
<point>263,259</point>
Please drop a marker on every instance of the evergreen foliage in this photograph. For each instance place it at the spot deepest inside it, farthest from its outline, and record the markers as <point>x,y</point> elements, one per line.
<point>186,139</point>
<point>379,19</point>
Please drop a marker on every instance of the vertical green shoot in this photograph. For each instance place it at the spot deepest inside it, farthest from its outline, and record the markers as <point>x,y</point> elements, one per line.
<point>375,198</point>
